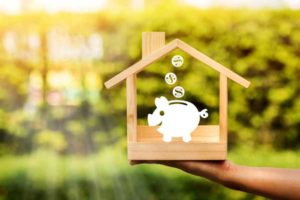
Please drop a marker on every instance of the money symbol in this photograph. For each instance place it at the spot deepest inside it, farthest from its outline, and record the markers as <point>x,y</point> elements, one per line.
<point>170,78</point>
<point>177,61</point>
<point>178,92</point>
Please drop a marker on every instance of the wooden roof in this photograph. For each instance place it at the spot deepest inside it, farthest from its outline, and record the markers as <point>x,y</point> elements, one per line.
<point>140,65</point>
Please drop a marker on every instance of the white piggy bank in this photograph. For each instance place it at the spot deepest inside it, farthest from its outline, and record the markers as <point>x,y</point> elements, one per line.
<point>176,118</point>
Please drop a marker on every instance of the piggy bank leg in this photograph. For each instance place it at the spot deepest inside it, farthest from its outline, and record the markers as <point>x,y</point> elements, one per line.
<point>167,138</point>
<point>187,138</point>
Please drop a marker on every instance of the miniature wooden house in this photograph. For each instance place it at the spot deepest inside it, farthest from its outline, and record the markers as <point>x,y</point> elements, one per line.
<point>144,142</point>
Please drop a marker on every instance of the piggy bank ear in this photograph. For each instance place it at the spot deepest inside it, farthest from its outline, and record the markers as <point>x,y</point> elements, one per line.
<point>161,102</point>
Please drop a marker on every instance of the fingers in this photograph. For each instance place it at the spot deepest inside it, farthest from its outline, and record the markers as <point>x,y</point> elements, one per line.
<point>184,164</point>
<point>188,166</point>
<point>213,170</point>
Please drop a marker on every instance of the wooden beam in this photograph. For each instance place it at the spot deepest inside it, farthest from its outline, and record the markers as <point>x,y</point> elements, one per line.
<point>212,63</point>
<point>140,65</point>
<point>202,134</point>
<point>162,51</point>
<point>167,151</point>
<point>176,155</point>
<point>223,108</point>
<point>184,147</point>
<point>152,41</point>
<point>131,108</point>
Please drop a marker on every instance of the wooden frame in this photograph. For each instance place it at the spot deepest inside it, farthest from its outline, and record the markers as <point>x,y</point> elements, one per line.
<point>204,146</point>
<point>144,143</point>
<point>160,52</point>
<point>131,108</point>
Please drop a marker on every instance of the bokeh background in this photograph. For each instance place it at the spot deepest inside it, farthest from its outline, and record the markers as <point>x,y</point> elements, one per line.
<point>63,135</point>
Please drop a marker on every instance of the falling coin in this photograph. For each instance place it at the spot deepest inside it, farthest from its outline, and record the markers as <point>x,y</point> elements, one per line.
<point>177,61</point>
<point>178,92</point>
<point>170,78</point>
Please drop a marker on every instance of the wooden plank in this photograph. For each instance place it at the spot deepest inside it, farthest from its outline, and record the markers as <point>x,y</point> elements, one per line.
<point>140,65</point>
<point>213,151</point>
<point>131,108</point>
<point>221,155</point>
<point>203,133</point>
<point>169,147</point>
<point>160,52</point>
<point>212,63</point>
<point>223,98</point>
<point>152,41</point>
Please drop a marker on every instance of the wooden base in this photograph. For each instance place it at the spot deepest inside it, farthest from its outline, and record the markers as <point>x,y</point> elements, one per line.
<point>205,145</point>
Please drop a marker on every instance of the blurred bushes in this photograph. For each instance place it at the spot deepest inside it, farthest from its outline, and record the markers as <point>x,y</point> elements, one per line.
<point>107,175</point>
<point>50,139</point>
<point>262,45</point>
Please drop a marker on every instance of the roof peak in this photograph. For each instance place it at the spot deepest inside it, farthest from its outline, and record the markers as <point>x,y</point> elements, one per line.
<point>160,52</point>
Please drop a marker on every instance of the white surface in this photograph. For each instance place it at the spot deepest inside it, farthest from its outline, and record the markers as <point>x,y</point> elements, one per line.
<point>170,78</point>
<point>177,61</point>
<point>176,118</point>
<point>178,91</point>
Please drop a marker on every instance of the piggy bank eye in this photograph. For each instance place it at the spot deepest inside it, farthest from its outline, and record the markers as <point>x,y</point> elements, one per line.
<point>161,113</point>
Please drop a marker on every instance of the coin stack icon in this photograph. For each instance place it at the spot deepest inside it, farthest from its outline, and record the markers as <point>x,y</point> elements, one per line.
<point>171,78</point>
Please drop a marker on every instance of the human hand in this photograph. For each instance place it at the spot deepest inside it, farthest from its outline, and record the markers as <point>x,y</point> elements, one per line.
<point>276,183</point>
<point>217,171</point>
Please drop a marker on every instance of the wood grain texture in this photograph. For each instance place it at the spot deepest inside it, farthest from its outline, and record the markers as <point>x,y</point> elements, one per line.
<point>152,41</point>
<point>195,155</point>
<point>140,65</point>
<point>203,134</point>
<point>162,51</point>
<point>223,108</point>
<point>209,142</point>
<point>171,147</point>
<point>212,63</point>
<point>152,151</point>
<point>131,108</point>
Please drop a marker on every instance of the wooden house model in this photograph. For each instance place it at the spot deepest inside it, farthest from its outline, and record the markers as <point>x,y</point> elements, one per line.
<point>144,142</point>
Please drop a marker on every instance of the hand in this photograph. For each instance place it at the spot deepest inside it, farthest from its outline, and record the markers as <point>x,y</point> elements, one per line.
<point>275,183</point>
<point>217,171</point>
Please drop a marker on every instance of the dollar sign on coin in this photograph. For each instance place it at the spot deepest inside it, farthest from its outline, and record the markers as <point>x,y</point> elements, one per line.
<point>170,78</point>
<point>177,61</point>
<point>178,92</point>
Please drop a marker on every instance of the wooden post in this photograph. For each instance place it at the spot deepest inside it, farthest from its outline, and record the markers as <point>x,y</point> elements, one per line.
<point>223,108</point>
<point>131,108</point>
<point>150,42</point>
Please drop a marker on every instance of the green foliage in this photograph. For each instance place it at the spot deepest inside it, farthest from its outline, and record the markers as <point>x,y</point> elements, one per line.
<point>50,139</point>
<point>261,45</point>
<point>107,175</point>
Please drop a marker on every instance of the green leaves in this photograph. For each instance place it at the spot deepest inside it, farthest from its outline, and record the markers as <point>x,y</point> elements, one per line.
<point>262,46</point>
